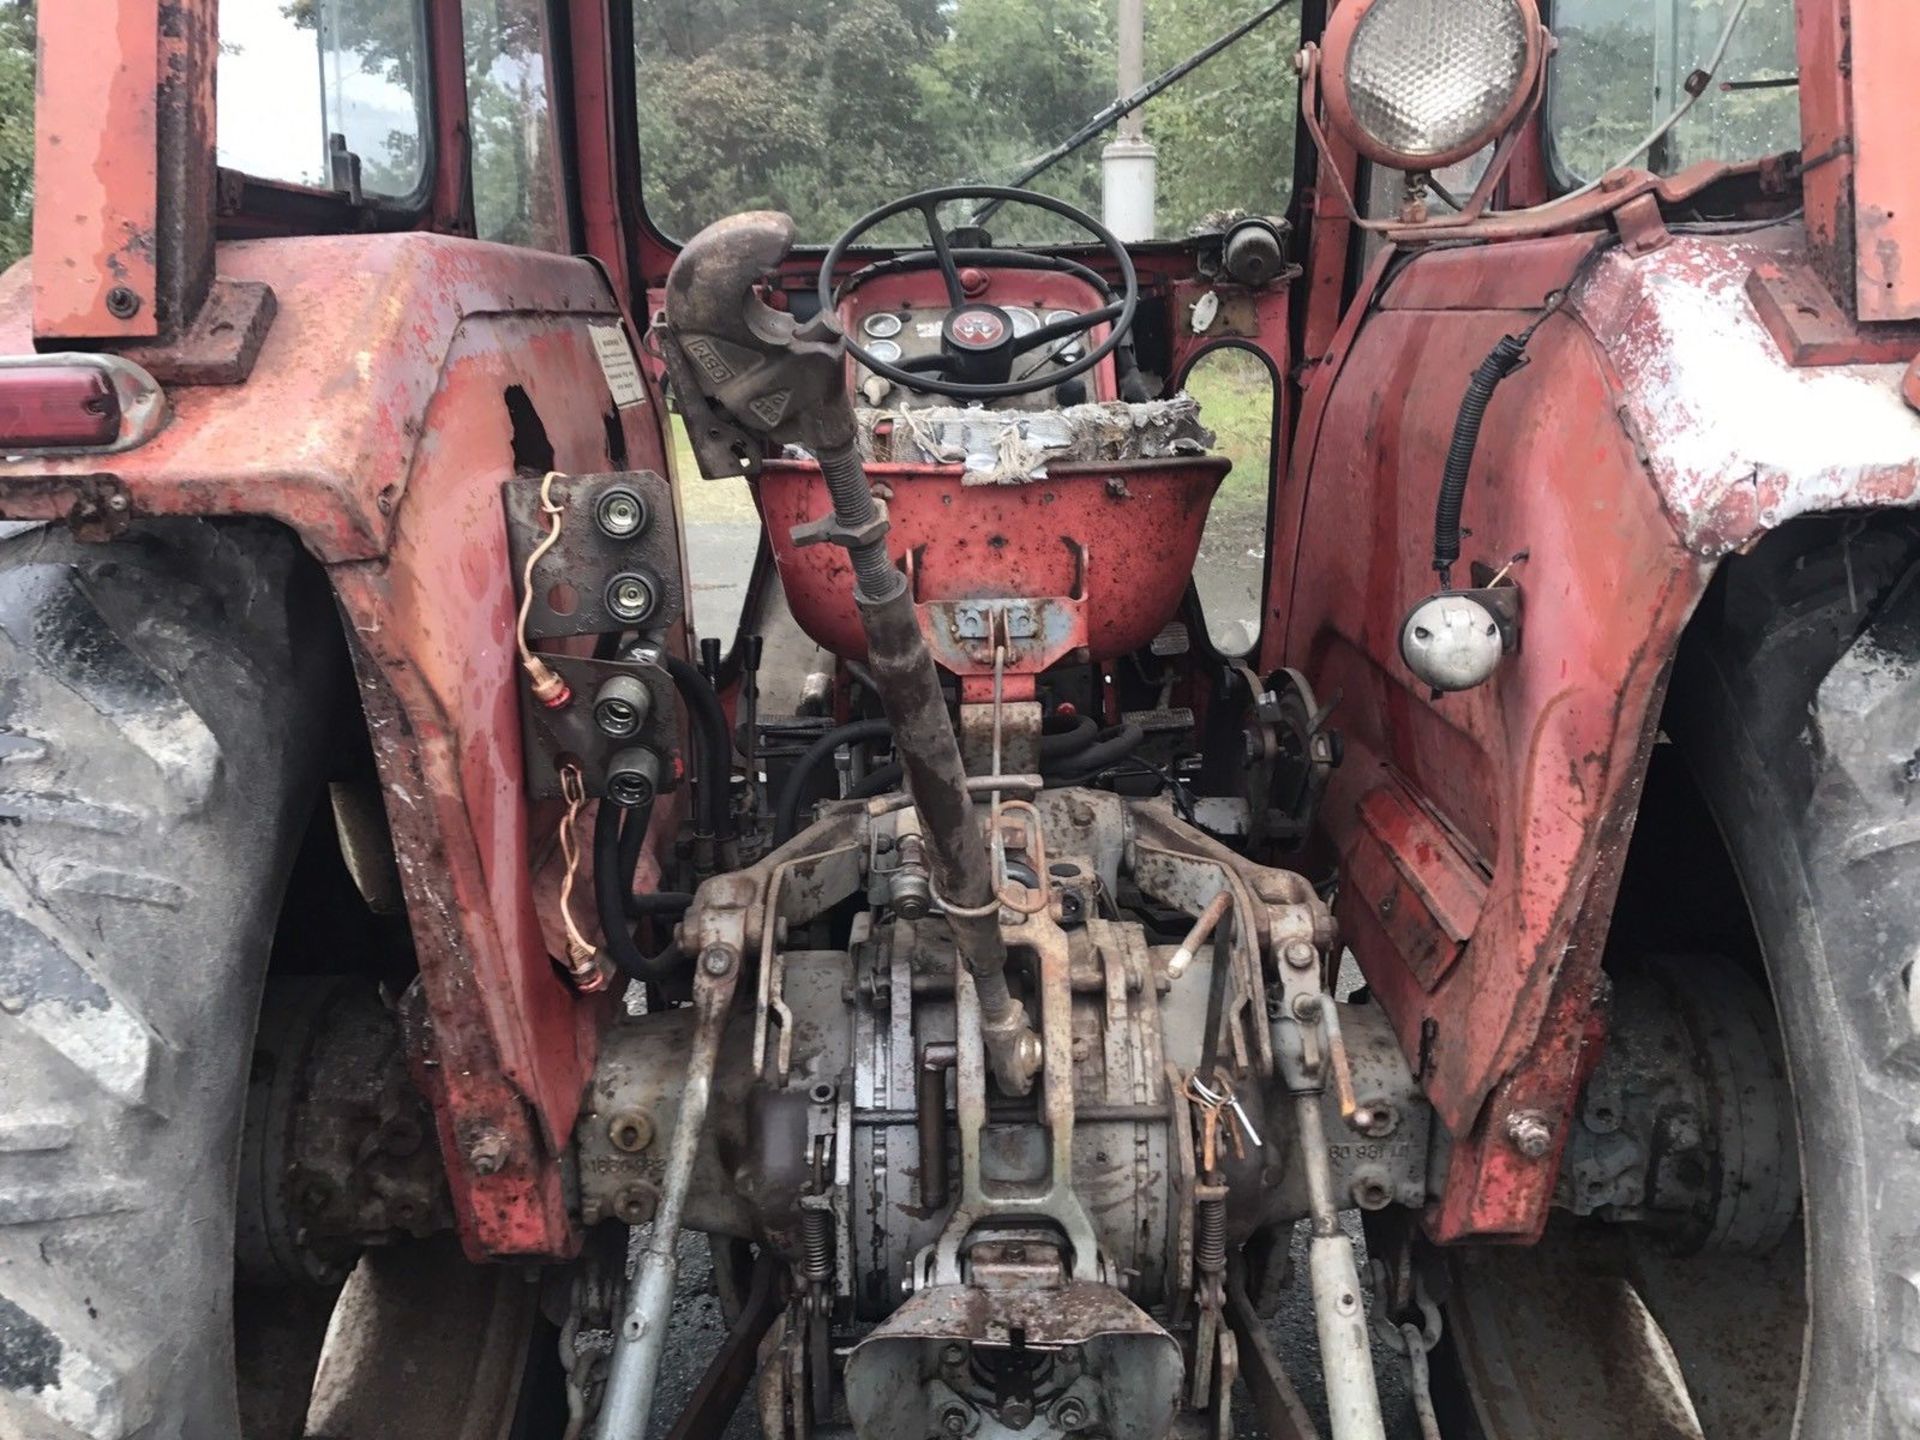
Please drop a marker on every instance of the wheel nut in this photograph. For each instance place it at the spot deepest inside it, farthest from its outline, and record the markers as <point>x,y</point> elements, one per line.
<point>1530,1133</point>
<point>621,514</point>
<point>1070,1413</point>
<point>632,598</point>
<point>953,1420</point>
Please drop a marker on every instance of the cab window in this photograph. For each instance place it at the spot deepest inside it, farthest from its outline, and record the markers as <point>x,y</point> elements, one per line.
<point>1622,68</point>
<point>312,92</point>
<point>518,198</point>
<point>828,108</point>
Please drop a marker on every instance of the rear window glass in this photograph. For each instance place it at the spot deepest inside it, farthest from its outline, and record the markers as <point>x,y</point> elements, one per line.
<point>295,74</point>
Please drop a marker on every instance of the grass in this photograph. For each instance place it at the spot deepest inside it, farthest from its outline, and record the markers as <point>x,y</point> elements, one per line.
<point>1235,392</point>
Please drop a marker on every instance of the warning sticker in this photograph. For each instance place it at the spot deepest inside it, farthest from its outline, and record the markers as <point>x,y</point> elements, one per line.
<point>617,363</point>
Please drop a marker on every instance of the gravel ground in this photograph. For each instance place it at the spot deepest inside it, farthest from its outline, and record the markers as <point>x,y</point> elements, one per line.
<point>698,1330</point>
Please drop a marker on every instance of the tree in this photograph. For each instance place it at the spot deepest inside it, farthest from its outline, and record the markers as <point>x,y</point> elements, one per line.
<point>16,129</point>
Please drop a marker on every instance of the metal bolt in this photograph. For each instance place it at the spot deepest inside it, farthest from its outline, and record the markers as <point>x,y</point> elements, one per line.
<point>1307,1008</point>
<point>1381,1121</point>
<point>954,1355</point>
<point>1300,955</point>
<point>953,1420</point>
<point>118,503</point>
<point>636,1203</point>
<point>716,960</point>
<point>1530,1133</point>
<point>487,1152</point>
<point>1016,1414</point>
<point>630,1130</point>
<point>1070,1413</point>
<point>122,303</point>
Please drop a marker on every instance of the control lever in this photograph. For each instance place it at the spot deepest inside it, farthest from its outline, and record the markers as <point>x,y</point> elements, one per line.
<point>748,374</point>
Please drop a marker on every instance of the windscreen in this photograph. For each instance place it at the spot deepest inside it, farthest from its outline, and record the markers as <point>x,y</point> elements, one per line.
<point>1622,69</point>
<point>828,108</point>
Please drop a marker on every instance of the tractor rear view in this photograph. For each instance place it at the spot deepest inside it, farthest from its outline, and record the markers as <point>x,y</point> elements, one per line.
<point>434,939</point>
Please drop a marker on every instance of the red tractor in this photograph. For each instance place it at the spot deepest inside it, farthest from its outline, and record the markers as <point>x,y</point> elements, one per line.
<point>413,930</point>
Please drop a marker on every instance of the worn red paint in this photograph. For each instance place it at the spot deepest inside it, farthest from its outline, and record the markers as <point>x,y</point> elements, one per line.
<point>1886,182</point>
<point>1116,538</point>
<point>1623,460</point>
<point>96,218</point>
<point>375,425</point>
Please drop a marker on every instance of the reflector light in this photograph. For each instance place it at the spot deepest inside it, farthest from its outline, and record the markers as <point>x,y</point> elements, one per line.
<point>50,408</point>
<point>76,402</point>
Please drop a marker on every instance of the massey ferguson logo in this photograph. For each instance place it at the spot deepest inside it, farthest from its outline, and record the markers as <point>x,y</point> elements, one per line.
<point>978,327</point>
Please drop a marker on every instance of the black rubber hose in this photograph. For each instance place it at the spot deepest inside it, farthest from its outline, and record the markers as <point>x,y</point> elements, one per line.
<point>715,751</point>
<point>1113,745</point>
<point>633,836</point>
<point>786,811</point>
<point>877,782</point>
<point>1505,358</point>
<point>611,889</point>
<point>1058,744</point>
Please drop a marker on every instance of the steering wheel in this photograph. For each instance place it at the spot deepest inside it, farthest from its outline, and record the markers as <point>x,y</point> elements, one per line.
<point>978,338</point>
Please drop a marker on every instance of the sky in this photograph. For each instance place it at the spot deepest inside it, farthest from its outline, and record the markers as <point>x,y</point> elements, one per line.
<point>269,118</point>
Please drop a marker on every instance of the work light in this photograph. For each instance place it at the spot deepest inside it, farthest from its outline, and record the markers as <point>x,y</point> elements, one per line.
<point>1417,84</point>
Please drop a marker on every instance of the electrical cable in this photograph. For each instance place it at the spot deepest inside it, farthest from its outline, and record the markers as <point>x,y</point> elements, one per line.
<point>1697,86</point>
<point>1508,355</point>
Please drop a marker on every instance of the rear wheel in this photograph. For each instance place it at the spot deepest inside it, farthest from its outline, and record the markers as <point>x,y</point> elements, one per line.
<point>1794,722</point>
<point>166,716</point>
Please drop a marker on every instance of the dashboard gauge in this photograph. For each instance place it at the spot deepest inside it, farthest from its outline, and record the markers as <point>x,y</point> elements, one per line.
<point>885,351</point>
<point>883,326</point>
<point>1025,322</point>
<point>1054,317</point>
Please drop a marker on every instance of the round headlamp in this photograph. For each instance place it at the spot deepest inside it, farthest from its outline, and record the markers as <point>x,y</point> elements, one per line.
<point>1417,84</point>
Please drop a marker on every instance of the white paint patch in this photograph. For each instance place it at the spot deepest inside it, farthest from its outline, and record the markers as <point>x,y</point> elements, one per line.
<point>1738,440</point>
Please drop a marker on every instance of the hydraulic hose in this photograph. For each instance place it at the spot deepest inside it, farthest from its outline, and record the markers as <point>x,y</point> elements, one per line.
<point>612,886</point>
<point>714,749</point>
<point>1058,744</point>
<point>1506,357</point>
<point>1113,745</point>
<point>786,812</point>
<point>1054,749</point>
<point>658,902</point>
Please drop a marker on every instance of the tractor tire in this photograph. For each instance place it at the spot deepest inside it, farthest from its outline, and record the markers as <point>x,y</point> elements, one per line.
<point>164,707</point>
<point>1796,703</point>
<point>1794,721</point>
